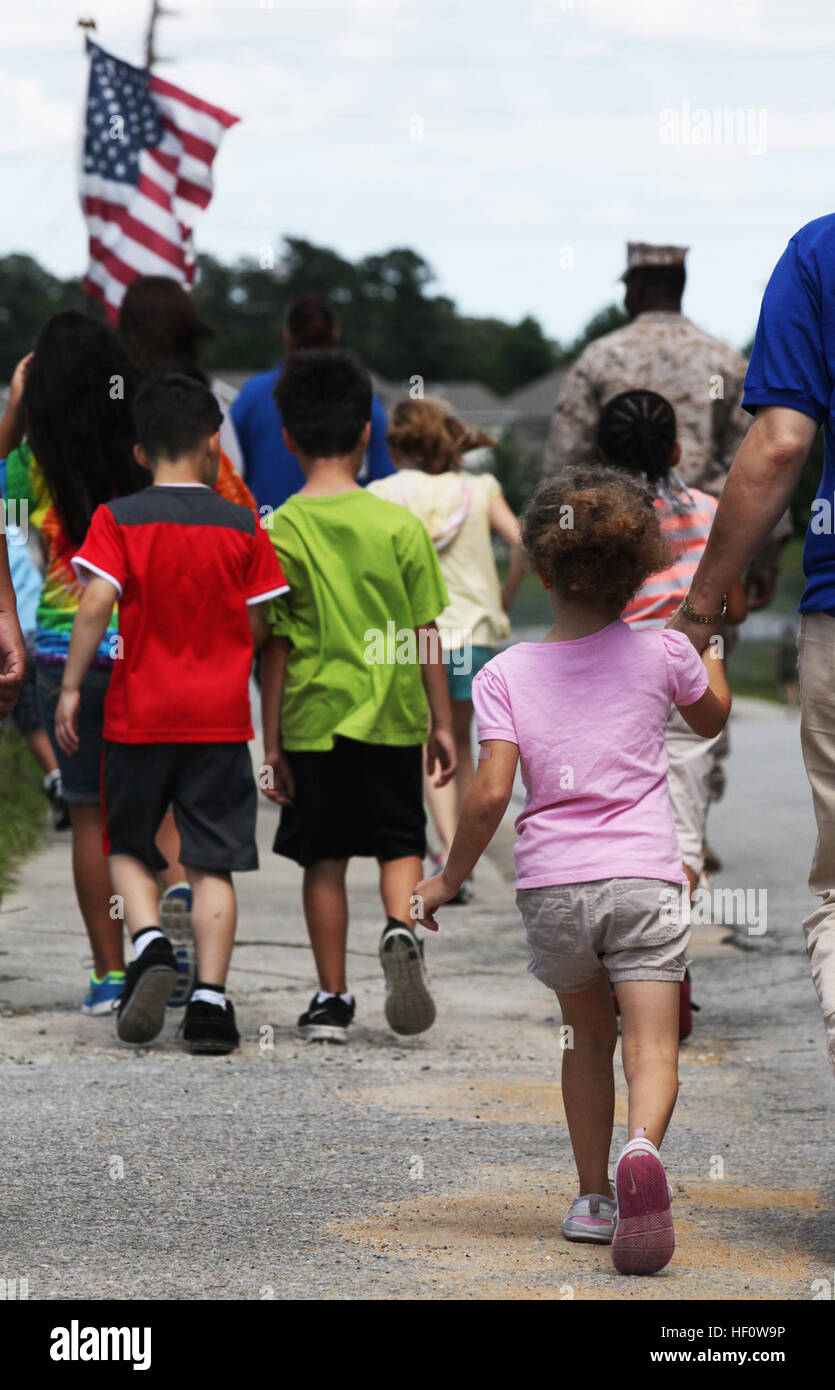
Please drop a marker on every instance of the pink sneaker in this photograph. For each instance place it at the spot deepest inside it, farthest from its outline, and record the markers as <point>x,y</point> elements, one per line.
<point>644,1239</point>
<point>591,1220</point>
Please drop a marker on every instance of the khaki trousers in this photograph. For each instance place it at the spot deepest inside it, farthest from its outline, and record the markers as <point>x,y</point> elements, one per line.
<point>816,668</point>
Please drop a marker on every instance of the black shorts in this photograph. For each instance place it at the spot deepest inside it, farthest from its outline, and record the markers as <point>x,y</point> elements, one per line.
<point>356,799</point>
<point>210,788</point>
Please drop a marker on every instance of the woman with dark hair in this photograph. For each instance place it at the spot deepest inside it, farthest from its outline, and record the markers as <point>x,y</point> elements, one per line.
<point>78,453</point>
<point>271,471</point>
<point>160,322</point>
<point>161,326</point>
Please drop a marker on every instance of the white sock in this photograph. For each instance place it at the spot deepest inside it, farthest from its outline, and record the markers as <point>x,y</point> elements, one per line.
<point>209,996</point>
<point>323,995</point>
<point>51,778</point>
<point>144,938</point>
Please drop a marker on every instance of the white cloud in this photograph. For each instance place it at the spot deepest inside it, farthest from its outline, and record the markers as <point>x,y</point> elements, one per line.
<point>757,24</point>
<point>35,120</point>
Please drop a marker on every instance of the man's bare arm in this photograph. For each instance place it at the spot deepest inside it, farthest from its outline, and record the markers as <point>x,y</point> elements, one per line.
<point>760,485</point>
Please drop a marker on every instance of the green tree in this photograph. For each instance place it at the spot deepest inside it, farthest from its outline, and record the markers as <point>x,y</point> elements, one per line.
<point>28,296</point>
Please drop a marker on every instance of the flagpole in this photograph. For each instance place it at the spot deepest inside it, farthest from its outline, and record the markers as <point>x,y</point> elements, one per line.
<point>87,25</point>
<point>158,12</point>
<point>150,55</point>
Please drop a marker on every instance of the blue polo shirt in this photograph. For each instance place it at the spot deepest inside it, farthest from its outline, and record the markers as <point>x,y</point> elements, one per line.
<point>793,364</point>
<point>270,470</point>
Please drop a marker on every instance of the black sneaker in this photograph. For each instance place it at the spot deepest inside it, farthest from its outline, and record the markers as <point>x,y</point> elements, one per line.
<point>410,1007</point>
<point>54,793</point>
<point>148,985</point>
<point>328,1021</point>
<point>210,1028</point>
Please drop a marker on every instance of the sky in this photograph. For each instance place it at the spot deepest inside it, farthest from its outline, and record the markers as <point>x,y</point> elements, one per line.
<point>516,146</point>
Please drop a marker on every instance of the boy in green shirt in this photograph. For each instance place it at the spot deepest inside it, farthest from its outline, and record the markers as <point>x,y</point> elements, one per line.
<point>352,686</point>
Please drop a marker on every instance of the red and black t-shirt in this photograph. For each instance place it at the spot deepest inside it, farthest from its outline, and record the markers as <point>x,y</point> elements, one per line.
<point>185,563</point>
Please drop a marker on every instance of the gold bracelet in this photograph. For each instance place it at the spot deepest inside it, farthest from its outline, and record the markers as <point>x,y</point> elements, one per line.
<point>706,618</point>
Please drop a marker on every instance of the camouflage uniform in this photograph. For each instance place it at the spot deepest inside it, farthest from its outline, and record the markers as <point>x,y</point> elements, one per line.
<point>700,376</point>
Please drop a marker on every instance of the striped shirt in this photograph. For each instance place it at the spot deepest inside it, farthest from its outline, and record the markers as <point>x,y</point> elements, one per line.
<point>687,528</point>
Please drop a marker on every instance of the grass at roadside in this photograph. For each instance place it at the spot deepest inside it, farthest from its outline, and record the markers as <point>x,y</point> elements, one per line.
<point>23,806</point>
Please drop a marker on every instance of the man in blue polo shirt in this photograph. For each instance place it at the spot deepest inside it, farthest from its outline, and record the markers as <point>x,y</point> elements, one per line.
<point>789,391</point>
<point>270,470</point>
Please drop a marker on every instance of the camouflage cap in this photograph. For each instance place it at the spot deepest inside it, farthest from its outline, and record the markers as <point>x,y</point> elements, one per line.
<point>640,254</point>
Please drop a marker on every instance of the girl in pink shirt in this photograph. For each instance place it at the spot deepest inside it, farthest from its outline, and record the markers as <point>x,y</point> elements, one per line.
<point>598,868</point>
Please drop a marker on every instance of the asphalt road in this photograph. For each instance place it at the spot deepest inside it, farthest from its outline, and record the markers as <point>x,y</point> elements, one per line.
<point>438,1167</point>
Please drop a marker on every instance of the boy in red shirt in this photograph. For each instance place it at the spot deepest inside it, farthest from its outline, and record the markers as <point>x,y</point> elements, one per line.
<point>192,573</point>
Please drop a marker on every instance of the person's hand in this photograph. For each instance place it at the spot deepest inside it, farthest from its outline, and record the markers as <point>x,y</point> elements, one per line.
<point>440,753</point>
<point>66,721</point>
<point>699,633</point>
<point>759,590</point>
<point>12,660</point>
<point>507,598</point>
<point>280,786</point>
<point>429,895</point>
<point>15,399</point>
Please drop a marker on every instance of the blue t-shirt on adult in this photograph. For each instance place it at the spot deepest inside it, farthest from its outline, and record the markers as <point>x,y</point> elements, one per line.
<point>793,364</point>
<point>270,470</point>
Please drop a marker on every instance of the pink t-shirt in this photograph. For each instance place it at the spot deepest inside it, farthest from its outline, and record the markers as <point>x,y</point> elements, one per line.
<point>588,718</point>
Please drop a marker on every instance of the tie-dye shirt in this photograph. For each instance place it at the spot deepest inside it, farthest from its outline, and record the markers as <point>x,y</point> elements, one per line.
<point>61,592</point>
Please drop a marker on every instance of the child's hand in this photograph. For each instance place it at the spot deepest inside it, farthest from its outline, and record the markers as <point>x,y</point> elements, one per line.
<point>440,753</point>
<point>429,895</point>
<point>66,721</point>
<point>281,788</point>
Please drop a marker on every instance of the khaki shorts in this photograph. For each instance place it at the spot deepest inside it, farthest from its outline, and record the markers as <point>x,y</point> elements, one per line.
<point>631,928</point>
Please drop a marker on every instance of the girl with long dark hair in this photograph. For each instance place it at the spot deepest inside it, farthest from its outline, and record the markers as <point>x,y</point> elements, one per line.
<point>77,453</point>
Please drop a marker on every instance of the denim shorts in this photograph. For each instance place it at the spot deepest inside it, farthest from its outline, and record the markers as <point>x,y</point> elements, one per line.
<point>80,773</point>
<point>25,714</point>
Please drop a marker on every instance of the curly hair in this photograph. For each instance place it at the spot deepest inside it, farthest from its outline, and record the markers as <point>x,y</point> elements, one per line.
<point>592,533</point>
<point>430,437</point>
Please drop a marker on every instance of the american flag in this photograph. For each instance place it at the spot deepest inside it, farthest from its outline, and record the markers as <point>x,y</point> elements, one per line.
<point>147,171</point>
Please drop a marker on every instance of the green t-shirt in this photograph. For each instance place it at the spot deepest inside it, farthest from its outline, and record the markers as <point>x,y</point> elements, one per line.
<point>363,575</point>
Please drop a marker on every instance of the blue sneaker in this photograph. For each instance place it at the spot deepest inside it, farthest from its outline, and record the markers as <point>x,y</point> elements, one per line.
<point>103,995</point>
<point>175,914</point>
